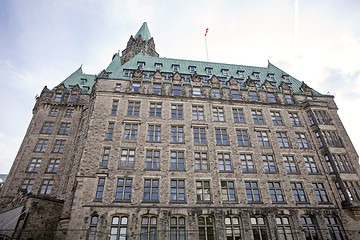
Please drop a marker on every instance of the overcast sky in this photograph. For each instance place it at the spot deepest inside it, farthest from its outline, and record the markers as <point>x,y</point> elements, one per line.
<point>42,42</point>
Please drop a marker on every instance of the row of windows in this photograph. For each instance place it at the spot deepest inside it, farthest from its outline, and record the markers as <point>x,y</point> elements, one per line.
<point>177,90</point>
<point>42,145</point>
<point>48,127</point>
<point>55,111</point>
<point>35,163</point>
<point>228,191</point>
<point>233,230</point>
<point>201,160</point>
<point>155,110</point>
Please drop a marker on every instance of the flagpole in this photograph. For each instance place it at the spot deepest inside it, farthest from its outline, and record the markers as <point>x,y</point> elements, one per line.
<point>207,55</point>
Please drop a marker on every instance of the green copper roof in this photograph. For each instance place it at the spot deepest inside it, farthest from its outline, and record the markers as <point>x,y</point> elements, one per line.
<point>85,81</point>
<point>117,70</point>
<point>144,32</point>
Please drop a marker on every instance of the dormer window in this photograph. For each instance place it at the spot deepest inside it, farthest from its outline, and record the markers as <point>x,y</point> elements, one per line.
<point>57,97</point>
<point>141,65</point>
<point>85,89</point>
<point>241,74</point>
<point>256,75</point>
<point>175,68</point>
<point>71,86</point>
<point>158,66</point>
<point>186,78</point>
<point>167,76</point>
<point>147,75</point>
<point>272,77</point>
<point>205,78</point>
<point>83,81</point>
<point>286,78</point>
<point>222,79</point>
<point>209,71</point>
<point>225,72</point>
<point>192,69</point>
<point>126,73</point>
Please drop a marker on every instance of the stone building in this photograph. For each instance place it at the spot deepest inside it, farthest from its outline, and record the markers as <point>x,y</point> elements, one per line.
<point>160,148</point>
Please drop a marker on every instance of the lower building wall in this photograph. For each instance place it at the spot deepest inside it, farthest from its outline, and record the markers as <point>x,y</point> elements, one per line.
<point>219,222</point>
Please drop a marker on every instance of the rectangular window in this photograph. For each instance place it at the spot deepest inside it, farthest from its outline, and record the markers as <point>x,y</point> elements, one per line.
<point>259,227</point>
<point>203,191</point>
<point>177,190</point>
<point>199,135</point>
<point>155,110</point>
<point>232,226</point>
<point>311,165</point>
<point>322,117</point>
<point>290,164</point>
<point>216,93</point>
<point>105,157</point>
<point>141,65</point>
<point>177,134</point>
<point>57,97</point>
<point>271,98</point>
<point>123,189</point>
<point>241,74</point>
<point>148,228</point>
<point>151,190</point>
<point>127,158</point>
<point>110,131</point>
<point>69,112</point>
<point>221,136</point>
<point>157,89</point>
<point>224,162</point>
<point>197,112</point>
<point>131,130</point>
<point>177,228</point>
<point>276,192</point>
<point>34,165</point>
<point>256,75</point>
<point>117,87</point>
<point>46,186</point>
<point>135,87</point>
<point>209,71</point>
<point>332,139</point>
<point>206,228</point>
<point>298,192</point>
<point>288,99</point>
<point>283,139</point>
<point>177,160</point>
<point>59,146</point>
<point>242,137</point>
<point>53,165</point>
<point>247,163</point>
<point>269,164</point>
<point>27,185</point>
<point>228,191</point>
<point>196,91</point>
<point>53,112</point>
<point>158,66</point>
<point>133,109</point>
<point>276,118</point>
<point>294,118</point>
<point>47,128</point>
<point>154,133</point>
<point>114,107</point>
<point>152,159</point>
<point>225,72</point>
<point>177,111</point>
<point>235,94</point>
<point>175,68</point>
<point>257,116</point>
<point>252,191</point>
<point>302,141</point>
<point>318,137</point>
<point>342,163</point>
<point>100,189</point>
<point>41,145</point>
<point>64,128</point>
<point>253,96</point>
<point>353,190</point>
<point>192,69</point>
<point>263,138</point>
<point>218,114</point>
<point>176,90</point>
<point>201,161</point>
<point>72,98</point>
<point>320,192</point>
<point>238,115</point>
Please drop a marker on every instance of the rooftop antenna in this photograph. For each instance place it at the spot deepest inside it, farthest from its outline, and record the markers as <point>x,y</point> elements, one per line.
<point>207,55</point>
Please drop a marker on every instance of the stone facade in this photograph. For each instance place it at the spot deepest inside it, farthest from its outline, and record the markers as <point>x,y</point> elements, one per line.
<point>147,156</point>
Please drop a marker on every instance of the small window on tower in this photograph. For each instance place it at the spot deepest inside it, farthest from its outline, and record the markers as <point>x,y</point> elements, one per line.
<point>225,72</point>
<point>272,77</point>
<point>158,66</point>
<point>175,68</point>
<point>286,78</point>
<point>256,75</point>
<point>192,69</point>
<point>209,71</point>
<point>241,74</point>
<point>141,65</point>
<point>126,73</point>
<point>83,81</point>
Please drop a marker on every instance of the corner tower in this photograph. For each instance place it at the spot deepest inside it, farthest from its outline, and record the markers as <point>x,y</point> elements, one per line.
<point>142,42</point>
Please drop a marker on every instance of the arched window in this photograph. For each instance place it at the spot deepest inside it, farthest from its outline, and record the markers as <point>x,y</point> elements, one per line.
<point>148,228</point>
<point>206,228</point>
<point>283,228</point>
<point>118,228</point>
<point>177,228</point>
<point>333,225</point>
<point>258,226</point>
<point>93,225</point>
<point>309,227</point>
<point>232,225</point>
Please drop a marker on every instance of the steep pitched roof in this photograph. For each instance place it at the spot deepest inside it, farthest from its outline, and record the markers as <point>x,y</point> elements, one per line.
<point>85,81</point>
<point>144,32</point>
